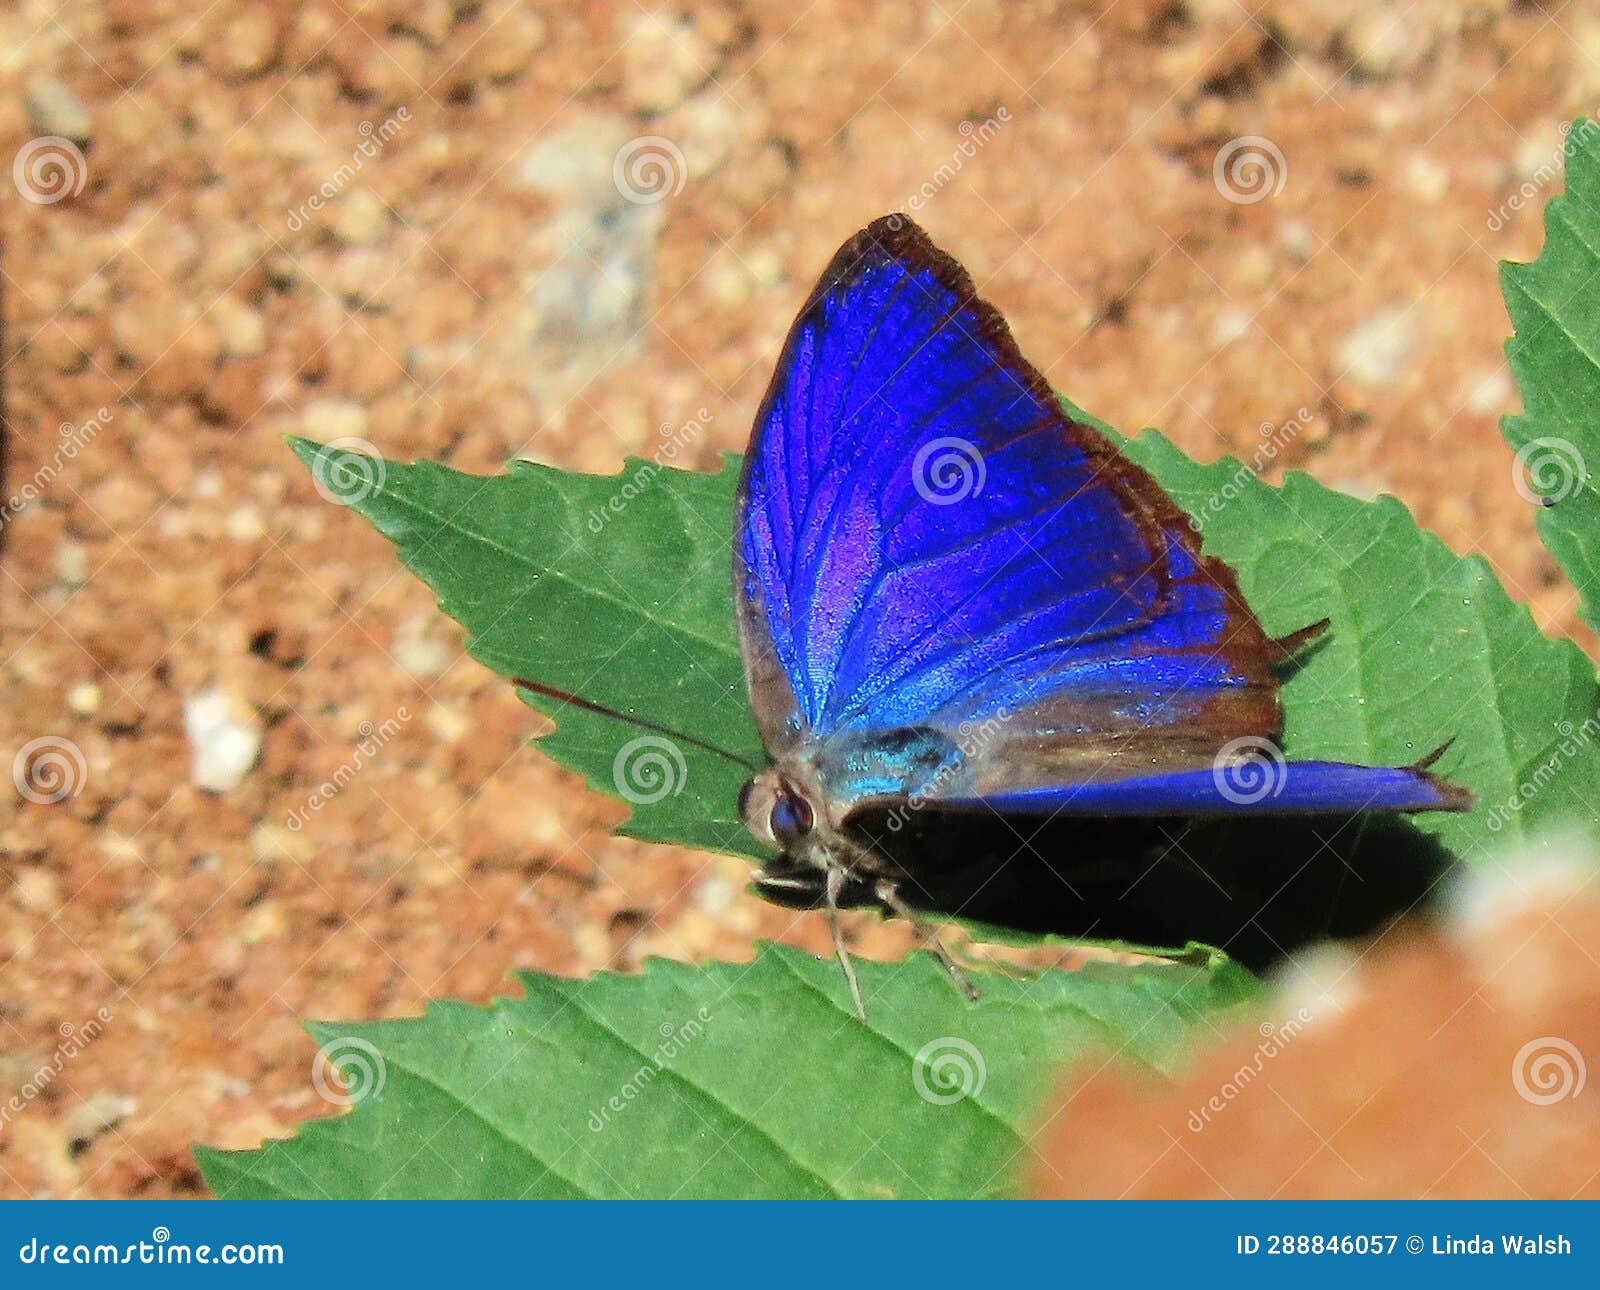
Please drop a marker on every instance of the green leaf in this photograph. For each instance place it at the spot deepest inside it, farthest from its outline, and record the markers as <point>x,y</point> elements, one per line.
<point>613,588</point>
<point>732,1080</point>
<point>1425,646</point>
<point>1554,304</point>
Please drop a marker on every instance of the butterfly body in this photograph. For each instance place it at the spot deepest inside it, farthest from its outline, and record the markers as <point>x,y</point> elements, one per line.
<point>953,597</point>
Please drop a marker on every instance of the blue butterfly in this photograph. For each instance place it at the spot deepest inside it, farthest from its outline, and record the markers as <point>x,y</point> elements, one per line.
<point>953,596</point>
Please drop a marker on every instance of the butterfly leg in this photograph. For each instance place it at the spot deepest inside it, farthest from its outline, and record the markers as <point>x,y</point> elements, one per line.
<point>889,894</point>
<point>835,884</point>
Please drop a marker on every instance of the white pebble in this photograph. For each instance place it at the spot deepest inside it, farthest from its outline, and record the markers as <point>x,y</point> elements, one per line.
<point>1376,350</point>
<point>224,738</point>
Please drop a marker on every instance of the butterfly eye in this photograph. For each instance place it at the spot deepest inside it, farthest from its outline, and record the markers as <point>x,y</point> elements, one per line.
<point>791,818</point>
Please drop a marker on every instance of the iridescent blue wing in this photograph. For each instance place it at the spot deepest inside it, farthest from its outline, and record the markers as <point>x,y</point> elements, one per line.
<point>927,545</point>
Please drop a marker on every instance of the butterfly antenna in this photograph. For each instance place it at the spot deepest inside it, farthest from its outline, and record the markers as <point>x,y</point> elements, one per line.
<point>835,885</point>
<point>562,696</point>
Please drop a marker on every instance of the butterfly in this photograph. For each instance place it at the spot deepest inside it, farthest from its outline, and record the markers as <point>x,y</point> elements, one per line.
<point>954,597</point>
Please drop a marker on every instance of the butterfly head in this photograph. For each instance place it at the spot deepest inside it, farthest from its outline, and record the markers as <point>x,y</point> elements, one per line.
<point>779,811</point>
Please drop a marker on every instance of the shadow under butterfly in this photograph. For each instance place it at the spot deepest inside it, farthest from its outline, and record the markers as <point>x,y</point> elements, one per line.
<point>994,674</point>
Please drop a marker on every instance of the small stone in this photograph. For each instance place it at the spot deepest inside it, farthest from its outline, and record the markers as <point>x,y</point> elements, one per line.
<point>37,890</point>
<point>1299,240</point>
<point>55,109</point>
<point>514,35</point>
<point>328,419</point>
<point>1375,351</point>
<point>360,218</point>
<point>245,524</point>
<point>275,843</point>
<point>1427,179</point>
<point>663,61</point>
<point>72,564</point>
<point>1230,325</point>
<point>1385,42</point>
<point>240,328</point>
<point>729,282</point>
<point>450,723</point>
<point>419,653</point>
<point>246,46</point>
<point>714,895</point>
<point>263,923</point>
<point>224,739</point>
<point>1490,393</point>
<point>95,1114</point>
<point>766,267</point>
<point>84,698</point>
<point>575,161</point>
<point>705,131</point>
